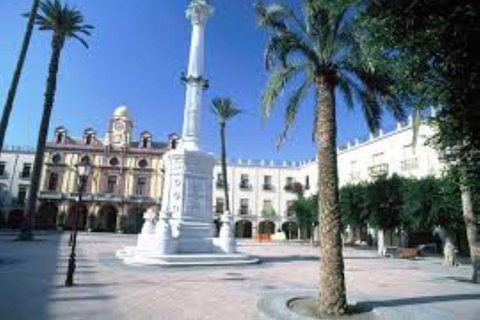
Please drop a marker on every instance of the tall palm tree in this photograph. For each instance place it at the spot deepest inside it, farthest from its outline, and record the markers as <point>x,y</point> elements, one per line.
<point>224,109</point>
<point>322,51</point>
<point>65,22</point>
<point>7,109</point>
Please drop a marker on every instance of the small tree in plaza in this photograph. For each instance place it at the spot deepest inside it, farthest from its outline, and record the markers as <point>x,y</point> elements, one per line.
<point>353,209</point>
<point>384,204</point>
<point>306,212</point>
<point>65,22</point>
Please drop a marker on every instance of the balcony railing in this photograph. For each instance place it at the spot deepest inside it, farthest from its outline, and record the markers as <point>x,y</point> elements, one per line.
<point>109,197</point>
<point>51,194</point>
<point>85,196</point>
<point>4,175</point>
<point>245,186</point>
<point>290,213</point>
<point>24,175</point>
<point>379,170</point>
<point>267,213</point>
<point>268,187</point>
<point>244,211</point>
<point>409,164</point>
<point>219,209</point>
<point>220,185</point>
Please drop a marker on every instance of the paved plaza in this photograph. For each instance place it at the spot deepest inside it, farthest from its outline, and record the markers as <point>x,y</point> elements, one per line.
<point>32,277</point>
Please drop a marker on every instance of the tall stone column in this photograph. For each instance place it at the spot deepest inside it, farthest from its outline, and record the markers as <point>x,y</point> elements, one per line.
<point>198,12</point>
<point>187,192</point>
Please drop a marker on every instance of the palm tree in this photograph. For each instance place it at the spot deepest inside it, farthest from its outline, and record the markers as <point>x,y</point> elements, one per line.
<point>65,22</point>
<point>7,109</point>
<point>322,51</point>
<point>224,109</point>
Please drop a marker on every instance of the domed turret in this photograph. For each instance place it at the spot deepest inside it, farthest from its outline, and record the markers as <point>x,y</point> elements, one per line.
<point>121,112</point>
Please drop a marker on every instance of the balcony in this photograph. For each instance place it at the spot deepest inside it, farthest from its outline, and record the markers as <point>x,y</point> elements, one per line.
<point>109,197</point>
<point>294,187</point>
<point>85,196</point>
<point>379,170</point>
<point>244,211</point>
<point>24,175</point>
<point>268,187</point>
<point>245,186</point>
<point>4,175</point>
<point>219,210</point>
<point>409,164</point>
<point>268,213</point>
<point>140,199</point>
<point>220,185</point>
<point>290,213</point>
<point>51,195</point>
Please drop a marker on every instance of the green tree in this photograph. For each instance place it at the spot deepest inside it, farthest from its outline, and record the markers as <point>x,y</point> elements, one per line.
<point>323,52</point>
<point>384,202</point>
<point>353,207</point>
<point>306,211</point>
<point>225,109</point>
<point>430,47</point>
<point>7,109</point>
<point>64,22</point>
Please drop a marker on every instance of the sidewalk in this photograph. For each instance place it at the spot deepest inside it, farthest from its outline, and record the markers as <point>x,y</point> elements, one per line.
<point>32,277</point>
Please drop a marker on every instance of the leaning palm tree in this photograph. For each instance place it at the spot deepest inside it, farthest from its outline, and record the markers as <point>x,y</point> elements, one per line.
<point>321,51</point>
<point>65,22</point>
<point>7,109</point>
<point>224,109</point>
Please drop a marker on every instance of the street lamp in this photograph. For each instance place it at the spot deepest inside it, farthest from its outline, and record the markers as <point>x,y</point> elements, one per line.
<point>84,170</point>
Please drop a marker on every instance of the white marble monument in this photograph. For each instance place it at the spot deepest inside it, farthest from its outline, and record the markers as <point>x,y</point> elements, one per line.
<point>183,233</point>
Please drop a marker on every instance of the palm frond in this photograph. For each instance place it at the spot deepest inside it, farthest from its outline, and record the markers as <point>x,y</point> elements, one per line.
<point>224,109</point>
<point>276,84</point>
<point>292,108</point>
<point>63,19</point>
<point>346,90</point>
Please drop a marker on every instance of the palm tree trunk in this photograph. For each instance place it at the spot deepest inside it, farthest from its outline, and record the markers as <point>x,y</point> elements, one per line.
<point>57,45</point>
<point>7,109</point>
<point>332,296</point>
<point>224,166</point>
<point>471,227</point>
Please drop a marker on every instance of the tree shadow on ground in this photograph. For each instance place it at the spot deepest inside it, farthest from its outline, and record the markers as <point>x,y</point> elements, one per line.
<point>303,258</point>
<point>420,300</point>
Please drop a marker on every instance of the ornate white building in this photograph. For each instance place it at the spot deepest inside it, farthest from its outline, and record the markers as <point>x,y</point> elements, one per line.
<point>128,178</point>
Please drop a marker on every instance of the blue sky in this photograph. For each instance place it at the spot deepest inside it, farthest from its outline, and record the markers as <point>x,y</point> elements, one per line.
<point>137,53</point>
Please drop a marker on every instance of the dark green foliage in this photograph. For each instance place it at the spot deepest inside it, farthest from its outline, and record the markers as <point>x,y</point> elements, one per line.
<point>430,48</point>
<point>431,202</point>
<point>352,205</point>
<point>411,204</point>
<point>306,211</point>
<point>384,202</point>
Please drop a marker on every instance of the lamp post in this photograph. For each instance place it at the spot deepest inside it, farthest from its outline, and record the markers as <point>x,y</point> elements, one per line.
<point>83,172</point>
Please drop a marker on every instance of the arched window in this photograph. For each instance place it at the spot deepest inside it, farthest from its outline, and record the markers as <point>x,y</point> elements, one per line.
<point>56,159</point>
<point>88,139</point>
<point>173,144</point>
<point>114,162</point>
<point>60,137</point>
<point>143,163</point>
<point>145,142</point>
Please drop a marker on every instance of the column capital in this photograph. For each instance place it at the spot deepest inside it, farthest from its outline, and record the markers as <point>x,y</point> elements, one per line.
<point>199,11</point>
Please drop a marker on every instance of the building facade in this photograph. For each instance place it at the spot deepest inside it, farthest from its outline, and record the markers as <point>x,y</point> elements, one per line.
<point>127,178</point>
